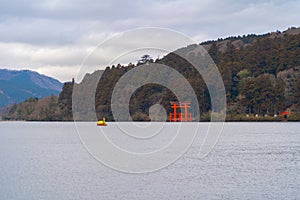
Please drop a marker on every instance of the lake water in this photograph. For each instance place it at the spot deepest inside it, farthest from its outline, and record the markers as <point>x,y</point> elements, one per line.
<point>250,161</point>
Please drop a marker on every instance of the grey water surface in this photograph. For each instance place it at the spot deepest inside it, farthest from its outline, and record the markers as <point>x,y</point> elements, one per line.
<point>250,161</point>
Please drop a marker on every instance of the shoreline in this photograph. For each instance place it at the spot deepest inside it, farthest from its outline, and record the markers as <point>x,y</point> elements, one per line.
<point>202,121</point>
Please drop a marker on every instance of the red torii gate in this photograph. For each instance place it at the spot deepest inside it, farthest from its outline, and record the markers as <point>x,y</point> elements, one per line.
<point>179,116</point>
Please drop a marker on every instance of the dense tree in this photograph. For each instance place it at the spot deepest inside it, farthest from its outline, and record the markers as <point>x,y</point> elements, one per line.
<point>296,96</point>
<point>262,95</point>
<point>65,101</point>
<point>250,67</point>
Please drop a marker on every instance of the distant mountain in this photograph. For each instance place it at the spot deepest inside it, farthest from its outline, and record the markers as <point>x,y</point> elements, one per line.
<point>17,86</point>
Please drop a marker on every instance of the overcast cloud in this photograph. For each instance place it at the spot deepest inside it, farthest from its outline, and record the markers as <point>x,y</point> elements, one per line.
<point>53,37</point>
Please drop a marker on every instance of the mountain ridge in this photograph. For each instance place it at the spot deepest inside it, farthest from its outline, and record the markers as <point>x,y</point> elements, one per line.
<point>260,73</point>
<point>19,85</point>
<point>245,40</point>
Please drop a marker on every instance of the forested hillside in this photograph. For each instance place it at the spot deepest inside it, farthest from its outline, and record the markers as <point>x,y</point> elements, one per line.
<point>261,75</point>
<point>51,108</point>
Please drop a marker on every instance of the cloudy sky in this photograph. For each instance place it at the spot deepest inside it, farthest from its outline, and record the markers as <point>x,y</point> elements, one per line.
<point>53,37</point>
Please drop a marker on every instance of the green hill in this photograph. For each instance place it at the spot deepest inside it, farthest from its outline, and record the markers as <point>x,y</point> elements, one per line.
<point>261,74</point>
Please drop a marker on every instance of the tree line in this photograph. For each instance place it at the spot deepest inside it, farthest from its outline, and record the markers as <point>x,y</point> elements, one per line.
<point>261,75</point>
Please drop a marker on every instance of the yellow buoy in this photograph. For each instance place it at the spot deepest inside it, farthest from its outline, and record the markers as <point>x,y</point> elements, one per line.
<point>102,122</point>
